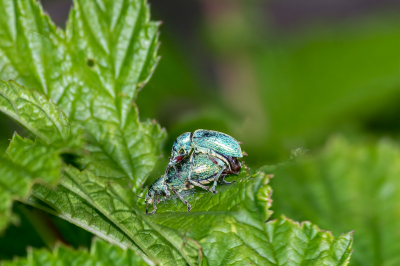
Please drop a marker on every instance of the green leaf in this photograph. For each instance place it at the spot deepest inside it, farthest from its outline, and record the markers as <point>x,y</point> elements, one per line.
<point>101,253</point>
<point>127,153</point>
<point>231,227</point>
<point>108,210</point>
<point>112,47</point>
<point>106,55</point>
<point>30,50</point>
<point>34,111</point>
<point>28,162</point>
<point>348,186</point>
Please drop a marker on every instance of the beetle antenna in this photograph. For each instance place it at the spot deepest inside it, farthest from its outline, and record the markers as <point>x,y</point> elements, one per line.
<point>140,197</point>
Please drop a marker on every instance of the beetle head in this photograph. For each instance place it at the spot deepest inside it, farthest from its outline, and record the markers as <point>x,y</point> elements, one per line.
<point>181,147</point>
<point>149,196</point>
<point>157,188</point>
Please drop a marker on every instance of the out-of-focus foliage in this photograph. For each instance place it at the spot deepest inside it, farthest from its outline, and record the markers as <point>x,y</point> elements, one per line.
<point>348,186</point>
<point>319,79</point>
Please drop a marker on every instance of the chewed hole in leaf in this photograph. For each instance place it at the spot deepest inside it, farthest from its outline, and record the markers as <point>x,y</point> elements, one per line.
<point>90,62</point>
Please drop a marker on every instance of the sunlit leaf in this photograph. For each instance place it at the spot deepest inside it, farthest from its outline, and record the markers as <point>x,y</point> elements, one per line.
<point>27,162</point>
<point>108,210</point>
<point>31,50</point>
<point>93,72</point>
<point>34,111</point>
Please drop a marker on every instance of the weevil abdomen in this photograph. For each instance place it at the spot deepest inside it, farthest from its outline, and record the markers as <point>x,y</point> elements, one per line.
<point>221,143</point>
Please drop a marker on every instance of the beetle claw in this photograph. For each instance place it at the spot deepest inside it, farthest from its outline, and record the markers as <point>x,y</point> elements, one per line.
<point>244,153</point>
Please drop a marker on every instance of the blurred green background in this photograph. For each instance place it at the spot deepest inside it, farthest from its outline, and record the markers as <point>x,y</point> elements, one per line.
<point>276,75</point>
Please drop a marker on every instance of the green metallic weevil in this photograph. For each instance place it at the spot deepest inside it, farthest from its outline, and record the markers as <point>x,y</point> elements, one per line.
<point>213,143</point>
<point>205,169</point>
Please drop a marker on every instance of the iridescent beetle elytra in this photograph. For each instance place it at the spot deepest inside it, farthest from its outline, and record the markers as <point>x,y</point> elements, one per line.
<point>205,169</point>
<point>213,143</point>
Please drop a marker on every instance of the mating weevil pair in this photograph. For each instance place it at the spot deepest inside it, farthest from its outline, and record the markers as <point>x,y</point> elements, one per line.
<point>197,158</point>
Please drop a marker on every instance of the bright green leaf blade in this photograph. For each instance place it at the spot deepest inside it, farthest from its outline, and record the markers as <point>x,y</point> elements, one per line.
<point>112,47</point>
<point>130,152</point>
<point>30,48</point>
<point>27,162</point>
<point>71,207</point>
<point>97,67</point>
<point>230,226</point>
<point>34,111</point>
<point>348,187</point>
<point>118,205</point>
<point>101,207</point>
<point>120,42</point>
<point>101,253</point>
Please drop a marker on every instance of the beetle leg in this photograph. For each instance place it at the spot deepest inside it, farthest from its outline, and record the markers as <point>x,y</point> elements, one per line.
<point>202,186</point>
<point>223,158</point>
<point>154,206</point>
<point>176,172</point>
<point>226,182</point>
<point>191,165</point>
<point>158,199</point>
<point>167,194</point>
<point>213,187</point>
<point>217,176</point>
<point>189,207</point>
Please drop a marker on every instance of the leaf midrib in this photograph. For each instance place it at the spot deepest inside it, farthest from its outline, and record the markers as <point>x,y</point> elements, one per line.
<point>76,222</point>
<point>95,205</point>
